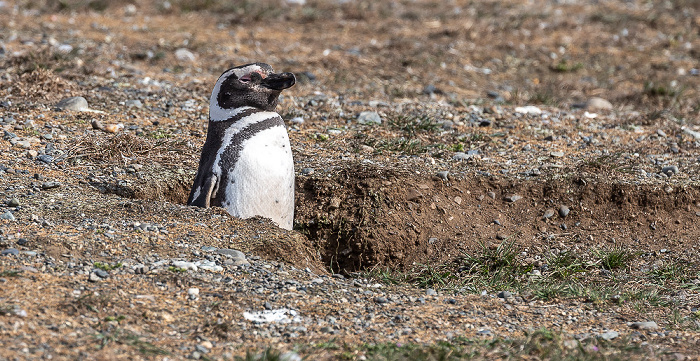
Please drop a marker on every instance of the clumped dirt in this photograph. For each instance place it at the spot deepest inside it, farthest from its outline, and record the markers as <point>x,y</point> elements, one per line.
<point>456,168</point>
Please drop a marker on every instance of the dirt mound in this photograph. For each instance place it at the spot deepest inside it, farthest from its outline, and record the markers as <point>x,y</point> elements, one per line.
<point>363,216</point>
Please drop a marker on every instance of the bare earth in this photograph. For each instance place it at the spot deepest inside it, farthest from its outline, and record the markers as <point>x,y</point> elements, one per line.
<point>462,222</point>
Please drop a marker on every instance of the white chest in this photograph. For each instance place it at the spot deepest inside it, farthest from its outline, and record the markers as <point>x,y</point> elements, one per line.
<point>262,180</point>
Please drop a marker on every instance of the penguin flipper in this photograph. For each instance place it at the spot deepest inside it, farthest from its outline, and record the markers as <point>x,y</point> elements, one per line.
<point>206,192</point>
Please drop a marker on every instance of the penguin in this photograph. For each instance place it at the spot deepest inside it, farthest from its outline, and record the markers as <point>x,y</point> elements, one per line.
<point>246,164</point>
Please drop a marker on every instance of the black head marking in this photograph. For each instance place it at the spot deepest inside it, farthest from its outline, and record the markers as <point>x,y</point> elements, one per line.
<point>254,85</point>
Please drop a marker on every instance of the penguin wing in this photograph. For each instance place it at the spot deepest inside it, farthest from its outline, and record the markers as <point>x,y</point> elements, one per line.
<point>203,193</point>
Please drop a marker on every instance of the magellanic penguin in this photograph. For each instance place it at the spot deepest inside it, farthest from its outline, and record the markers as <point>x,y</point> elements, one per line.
<point>246,165</point>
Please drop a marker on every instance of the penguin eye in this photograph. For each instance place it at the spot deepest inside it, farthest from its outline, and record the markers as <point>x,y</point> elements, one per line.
<point>244,78</point>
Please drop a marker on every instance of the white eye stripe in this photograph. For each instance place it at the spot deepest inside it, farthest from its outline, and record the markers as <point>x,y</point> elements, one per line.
<point>246,70</point>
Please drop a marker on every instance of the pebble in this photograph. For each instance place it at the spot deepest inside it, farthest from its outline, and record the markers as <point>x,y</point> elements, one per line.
<point>78,104</point>
<point>430,292</point>
<point>461,156</point>
<point>185,265</point>
<point>548,213</point>
<point>93,277</point>
<point>297,120</point>
<point>307,171</point>
<point>596,103</point>
<point>670,170</point>
<point>193,293</point>
<point>609,335</point>
<point>183,54</point>
<point>556,154</point>
<point>7,215</point>
<point>133,103</point>
<point>443,174</point>
<point>45,158</point>
<point>290,356</point>
<point>14,202</point>
<point>650,325</point>
<point>563,211</point>
<point>691,132</point>
<point>369,118</point>
<point>513,198</point>
<point>101,273</point>
<point>504,294</point>
<point>233,253</point>
<point>529,109</point>
<point>113,128</point>
<point>381,300</point>
<point>209,266</point>
<point>10,252</point>
<point>50,185</point>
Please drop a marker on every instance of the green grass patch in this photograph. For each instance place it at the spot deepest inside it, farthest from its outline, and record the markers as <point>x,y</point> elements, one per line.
<point>413,125</point>
<point>564,66</point>
<point>615,258</point>
<point>11,273</point>
<point>106,266</point>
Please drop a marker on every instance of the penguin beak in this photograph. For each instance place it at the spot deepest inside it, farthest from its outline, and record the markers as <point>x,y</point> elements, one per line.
<point>279,81</point>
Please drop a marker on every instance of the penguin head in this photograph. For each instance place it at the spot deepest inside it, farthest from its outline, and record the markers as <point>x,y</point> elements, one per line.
<point>255,85</point>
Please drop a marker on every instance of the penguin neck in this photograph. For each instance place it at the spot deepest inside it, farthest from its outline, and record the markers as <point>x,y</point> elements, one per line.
<point>218,114</point>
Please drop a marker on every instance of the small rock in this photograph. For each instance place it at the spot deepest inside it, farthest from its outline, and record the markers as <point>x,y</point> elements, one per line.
<point>670,170</point>
<point>297,120</point>
<point>443,174</point>
<point>431,292</point>
<point>133,103</point>
<point>31,154</point>
<point>290,356</point>
<point>78,104</point>
<point>93,277</point>
<point>183,54</point>
<point>9,252</point>
<point>96,124</point>
<point>461,156</point>
<point>650,325</point>
<point>233,253</point>
<point>661,133</point>
<point>484,333</point>
<point>185,265</point>
<point>530,109</point>
<point>101,273</point>
<point>609,335</point>
<point>413,195</point>
<point>548,213</point>
<point>556,154</point>
<point>691,132</point>
<point>7,215</point>
<point>369,118</point>
<point>484,123</point>
<point>14,202</point>
<point>381,300</point>
<point>45,158</point>
<point>512,198</point>
<point>504,294</point>
<point>563,211</point>
<point>50,185</point>
<point>596,103</point>
<point>307,171</point>
<point>113,128</point>
<point>193,293</point>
